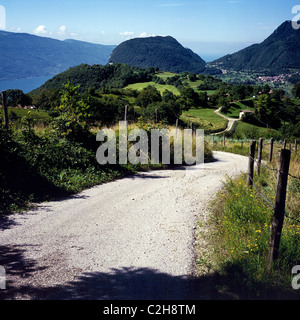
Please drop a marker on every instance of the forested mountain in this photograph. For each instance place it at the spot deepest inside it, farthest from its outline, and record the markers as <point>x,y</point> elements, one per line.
<point>23,55</point>
<point>97,76</point>
<point>279,52</point>
<point>166,53</point>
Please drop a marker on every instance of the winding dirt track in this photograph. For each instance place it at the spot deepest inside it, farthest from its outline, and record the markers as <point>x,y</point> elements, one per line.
<point>231,122</point>
<point>128,239</point>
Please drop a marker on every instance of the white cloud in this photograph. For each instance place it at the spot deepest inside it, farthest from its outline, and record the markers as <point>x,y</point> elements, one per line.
<point>62,30</point>
<point>130,34</point>
<point>126,33</point>
<point>40,30</point>
<point>145,35</point>
<point>15,29</point>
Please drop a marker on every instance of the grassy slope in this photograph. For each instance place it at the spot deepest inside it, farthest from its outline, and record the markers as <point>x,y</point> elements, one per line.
<point>206,118</point>
<point>161,88</point>
<point>244,128</point>
<point>236,108</point>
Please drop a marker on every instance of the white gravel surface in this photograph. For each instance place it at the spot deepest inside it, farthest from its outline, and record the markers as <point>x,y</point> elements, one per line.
<point>128,239</point>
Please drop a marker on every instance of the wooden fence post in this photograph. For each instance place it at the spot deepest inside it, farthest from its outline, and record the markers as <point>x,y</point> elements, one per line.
<point>260,148</point>
<point>271,150</point>
<point>296,145</point>
<point>279,210</point>
<point>251,163</point>
<point>125,116</point>
<point>284,144</point>
<point>5,109</point>
<point>224,140</point>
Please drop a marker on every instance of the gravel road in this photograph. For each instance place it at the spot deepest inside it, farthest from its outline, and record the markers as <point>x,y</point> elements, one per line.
<point>128,239</point>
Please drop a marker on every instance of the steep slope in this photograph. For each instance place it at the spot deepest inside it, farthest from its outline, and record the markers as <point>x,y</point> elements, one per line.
<point>23,55</point>
<point>166,53</point>
<point>280,51</point>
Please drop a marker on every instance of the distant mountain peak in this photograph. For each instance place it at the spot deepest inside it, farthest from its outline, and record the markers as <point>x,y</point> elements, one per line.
<point>279,52</point>
<point>164,52</point>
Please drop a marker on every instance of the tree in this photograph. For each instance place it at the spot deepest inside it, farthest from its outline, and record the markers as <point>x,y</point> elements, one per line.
<point>73,113</point>
<point>296,90</point>
<point>203,99</point>
<point>266,89</point>
<point>190,97</point>
<point>268,111</point>
<point>147,96</point>
<point>168,96</point>
<point>239,92</point>
<point>46,99</point>
<point>17,97</point>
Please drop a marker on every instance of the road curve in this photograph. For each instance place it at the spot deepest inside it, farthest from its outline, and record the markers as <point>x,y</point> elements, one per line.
<point>129,239</point>
<point>232,122</point>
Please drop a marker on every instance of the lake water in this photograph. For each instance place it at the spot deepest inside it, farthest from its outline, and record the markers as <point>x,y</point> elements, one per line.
<point>26,85</point>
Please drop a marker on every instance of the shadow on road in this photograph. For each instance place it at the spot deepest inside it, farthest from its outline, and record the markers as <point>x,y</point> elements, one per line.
<point>118,284</point>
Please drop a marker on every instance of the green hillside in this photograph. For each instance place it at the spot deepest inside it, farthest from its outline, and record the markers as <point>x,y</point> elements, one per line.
<point>166,53</point>
<point>278,53</point>
<point>97,76</point>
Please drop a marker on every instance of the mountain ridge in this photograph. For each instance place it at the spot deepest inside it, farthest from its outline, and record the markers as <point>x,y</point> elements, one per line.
<point>278,52</point>
<point>24,55</point>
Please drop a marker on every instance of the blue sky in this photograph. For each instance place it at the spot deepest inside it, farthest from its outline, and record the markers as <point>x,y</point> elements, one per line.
<point>213,27</point>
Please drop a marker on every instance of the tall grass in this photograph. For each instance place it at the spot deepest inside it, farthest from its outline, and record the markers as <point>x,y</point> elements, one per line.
<point>241,218</point>
<point>38,165</point>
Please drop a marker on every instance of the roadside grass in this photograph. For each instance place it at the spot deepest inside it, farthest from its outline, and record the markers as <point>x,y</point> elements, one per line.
<point>205,119</point>
<point>240,219</point>
<point>37,165</point>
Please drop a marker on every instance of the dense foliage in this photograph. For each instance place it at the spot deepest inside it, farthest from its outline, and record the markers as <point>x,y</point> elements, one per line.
<point>162,52</point>
<point>104,93</point>
<point>97,76</point>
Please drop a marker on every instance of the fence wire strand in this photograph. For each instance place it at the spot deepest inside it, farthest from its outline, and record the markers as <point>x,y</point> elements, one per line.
<point>272,169</point>
<point>264,197</point>
<point>270,203</point>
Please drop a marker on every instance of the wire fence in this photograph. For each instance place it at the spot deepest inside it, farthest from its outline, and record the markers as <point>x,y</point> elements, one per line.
<point>273,169</point>
<point>269,202</point>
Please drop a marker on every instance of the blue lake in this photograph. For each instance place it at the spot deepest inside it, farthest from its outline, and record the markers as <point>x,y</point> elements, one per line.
<point>26,85</point>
